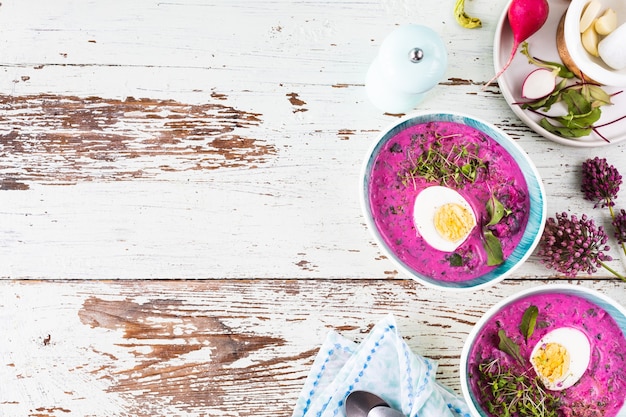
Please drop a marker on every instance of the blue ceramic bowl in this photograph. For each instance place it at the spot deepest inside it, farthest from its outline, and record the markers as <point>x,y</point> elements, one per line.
<point>536,219</point>
<point>614,309</point>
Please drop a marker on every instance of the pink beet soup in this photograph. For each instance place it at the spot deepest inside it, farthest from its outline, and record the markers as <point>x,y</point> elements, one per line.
<point>602,388</point>
<point>393,189</point>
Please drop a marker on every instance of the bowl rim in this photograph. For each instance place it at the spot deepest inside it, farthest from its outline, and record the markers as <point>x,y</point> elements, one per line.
<point>509,266</point>
<point>547,288</point>
<point>580,56</point>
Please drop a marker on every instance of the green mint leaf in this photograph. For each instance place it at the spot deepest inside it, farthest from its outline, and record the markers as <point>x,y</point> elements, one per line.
<point>529,320</point>
<point>563,131</point>
<point>456,260</point>
<point>496,211</point>
<point>509,347</point>
<point>450,166</point>
<point>576,101</point>
<point>581,120</point>
<point>493,247</point>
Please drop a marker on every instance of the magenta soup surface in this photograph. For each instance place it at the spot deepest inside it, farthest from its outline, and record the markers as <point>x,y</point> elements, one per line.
<point>601,389</point>
<point>392,197</point>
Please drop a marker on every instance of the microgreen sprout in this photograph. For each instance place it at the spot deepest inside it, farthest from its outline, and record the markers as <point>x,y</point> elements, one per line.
<point>507,394</point>
<point>448,165</point>
<point>509,387</point>
<point>453,165</point>
<point>515,390</point>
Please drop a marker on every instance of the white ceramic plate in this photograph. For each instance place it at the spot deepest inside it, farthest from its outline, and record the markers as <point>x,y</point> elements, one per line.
<point>543,45</point>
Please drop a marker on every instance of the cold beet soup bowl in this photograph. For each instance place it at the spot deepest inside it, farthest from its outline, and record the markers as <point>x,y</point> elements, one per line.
<point>552,350</point>
<point>452,200</point>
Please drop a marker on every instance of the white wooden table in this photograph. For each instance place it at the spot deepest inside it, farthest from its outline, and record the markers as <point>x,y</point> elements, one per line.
<point>179,215</point>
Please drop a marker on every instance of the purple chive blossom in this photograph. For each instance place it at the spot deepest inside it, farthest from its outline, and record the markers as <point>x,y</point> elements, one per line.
<point>619,223</point>
<point>600,182</point>
<point>571,245</point>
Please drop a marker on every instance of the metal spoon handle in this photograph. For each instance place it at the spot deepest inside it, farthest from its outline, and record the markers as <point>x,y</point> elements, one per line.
<point>359,403</point>
<point>384,412</point>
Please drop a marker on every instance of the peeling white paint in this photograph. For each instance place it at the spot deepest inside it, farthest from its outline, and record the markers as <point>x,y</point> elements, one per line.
<point>276,252</point>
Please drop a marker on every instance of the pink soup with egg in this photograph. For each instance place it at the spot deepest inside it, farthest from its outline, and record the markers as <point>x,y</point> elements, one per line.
<point>394,186</point>
<point>601,389</point>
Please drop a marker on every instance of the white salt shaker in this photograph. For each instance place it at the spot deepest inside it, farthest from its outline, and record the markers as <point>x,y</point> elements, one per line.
<point>410,62</point>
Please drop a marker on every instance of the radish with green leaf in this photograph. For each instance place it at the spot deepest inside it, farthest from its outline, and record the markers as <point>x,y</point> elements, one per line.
<point>542,81</point>
<point>526,17</point>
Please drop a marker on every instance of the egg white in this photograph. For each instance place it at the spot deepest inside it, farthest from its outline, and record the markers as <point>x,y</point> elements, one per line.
<point>427,203</point>
<point>579,348</point>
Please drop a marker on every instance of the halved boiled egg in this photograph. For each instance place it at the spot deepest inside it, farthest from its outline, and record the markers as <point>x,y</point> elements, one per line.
<point>443,217</point>
<point>561,357</point>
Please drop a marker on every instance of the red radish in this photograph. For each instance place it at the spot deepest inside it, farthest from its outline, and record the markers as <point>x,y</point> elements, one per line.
<point>539,83</point>
<point>525,18</point>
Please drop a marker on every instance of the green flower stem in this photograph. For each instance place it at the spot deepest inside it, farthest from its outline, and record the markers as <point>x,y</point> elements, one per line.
<point>613,217</point>
<point>612,271</point>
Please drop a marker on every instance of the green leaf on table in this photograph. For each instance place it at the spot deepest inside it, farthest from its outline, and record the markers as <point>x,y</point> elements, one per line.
<point>529,320</point>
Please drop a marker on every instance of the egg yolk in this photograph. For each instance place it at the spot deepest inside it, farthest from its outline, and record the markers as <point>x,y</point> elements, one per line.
<point>552,361</point>
<point>453,221</point>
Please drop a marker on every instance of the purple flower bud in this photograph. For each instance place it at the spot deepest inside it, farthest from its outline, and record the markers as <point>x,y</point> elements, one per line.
<point>619,223</point>
<point>571,253</point>
<point>600,182</point>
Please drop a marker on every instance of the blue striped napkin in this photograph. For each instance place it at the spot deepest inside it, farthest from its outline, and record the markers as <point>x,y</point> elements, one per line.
<point>382,364</point>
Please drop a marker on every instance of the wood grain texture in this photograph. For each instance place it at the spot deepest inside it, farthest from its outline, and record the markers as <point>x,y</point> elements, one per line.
<point>194,140</point>
<point>205,348</point>
<point>96,139</point>
<point>179,200</point>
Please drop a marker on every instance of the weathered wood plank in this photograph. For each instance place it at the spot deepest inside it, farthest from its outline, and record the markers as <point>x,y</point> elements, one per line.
<point>220,143</point>
<point>223,347</point>
<point>55,139</point>
<point>240,153</point>
<point>230,223</point>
